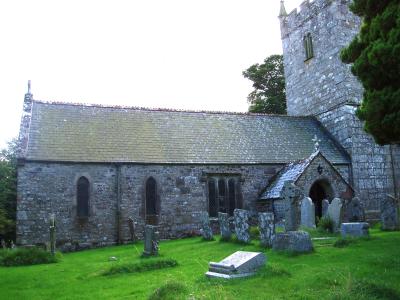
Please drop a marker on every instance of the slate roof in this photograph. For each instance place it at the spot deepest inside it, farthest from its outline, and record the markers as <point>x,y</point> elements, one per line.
<point>290,172</point>
<point>90,133</point>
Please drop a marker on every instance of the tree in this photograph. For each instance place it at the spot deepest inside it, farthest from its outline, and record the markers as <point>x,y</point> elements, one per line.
<point>268,79</point>
<point>8,190</point>
<point>375,57</point>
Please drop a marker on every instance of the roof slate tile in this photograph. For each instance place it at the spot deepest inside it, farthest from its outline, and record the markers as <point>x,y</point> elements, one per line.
<point>80,133</point>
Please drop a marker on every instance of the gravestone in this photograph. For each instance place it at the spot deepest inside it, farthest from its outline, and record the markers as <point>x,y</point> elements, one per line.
<point>325,205</point>
<point>266,226</point>
<point>206,230</point>
<point>131,225</point>
<point>360,229</point>
<point>307,213</point>
<point>335,212</point>
<point>223,219</point>
<point>239,264</point>
<point>3,244</point>
<point>355,210</point>
<point>291,194</point>
<point>293,241</point>
<point>389,213</point>
<point>150,241</point>
<point>242,227</point>
<point>52,230</point>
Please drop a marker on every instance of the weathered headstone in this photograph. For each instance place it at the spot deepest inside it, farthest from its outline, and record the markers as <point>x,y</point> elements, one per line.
<point>150,241</point>
<point>224,229</point>
<point>242,227</point>
<point>354,229</point>
<point>239,264</point>
<point>307,213</point>
<point>355,210</point>
<point>266,226</point>
<point>291,194</point>
<point>389,213</point>
<point>206,230</point>
<point>293,241</point>
<point>3,244</point>
<point>335,212</point>
<point>131,225</point>
<point>325,205</point>
<point>52,229</point>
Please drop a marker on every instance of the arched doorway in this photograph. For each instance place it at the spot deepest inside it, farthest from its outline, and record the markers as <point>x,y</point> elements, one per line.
<point>319,191</point>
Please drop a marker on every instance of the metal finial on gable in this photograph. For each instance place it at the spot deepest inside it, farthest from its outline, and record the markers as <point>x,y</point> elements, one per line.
<point>316,143</point>
<point>282,11</point>
<point>29,87</point>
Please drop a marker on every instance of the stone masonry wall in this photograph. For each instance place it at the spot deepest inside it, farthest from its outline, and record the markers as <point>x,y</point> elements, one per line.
<point>339,188</point>
<point>372,168</point>
<point>45,188</point>
<point>324,87</point>
<point>322,82</point>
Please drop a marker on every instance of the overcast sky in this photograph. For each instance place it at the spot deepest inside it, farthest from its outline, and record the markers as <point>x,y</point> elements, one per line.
<point>185,54</point>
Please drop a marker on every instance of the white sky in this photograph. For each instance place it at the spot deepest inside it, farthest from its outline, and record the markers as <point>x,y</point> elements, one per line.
<point>185,54</point>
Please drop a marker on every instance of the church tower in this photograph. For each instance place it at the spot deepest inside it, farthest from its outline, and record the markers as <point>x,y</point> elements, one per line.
<point>319,84</point>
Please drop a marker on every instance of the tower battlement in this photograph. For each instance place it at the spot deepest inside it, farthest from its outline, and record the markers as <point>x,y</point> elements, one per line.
<point>309,9</point>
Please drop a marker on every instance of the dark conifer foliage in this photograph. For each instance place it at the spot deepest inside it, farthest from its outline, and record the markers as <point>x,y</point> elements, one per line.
<point>375,57</point>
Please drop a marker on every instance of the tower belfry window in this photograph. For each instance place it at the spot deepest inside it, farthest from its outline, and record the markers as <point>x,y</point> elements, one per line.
<point>308,46</point>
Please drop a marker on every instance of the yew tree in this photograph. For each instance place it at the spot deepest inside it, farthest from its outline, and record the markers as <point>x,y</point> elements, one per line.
<point>375,57</point>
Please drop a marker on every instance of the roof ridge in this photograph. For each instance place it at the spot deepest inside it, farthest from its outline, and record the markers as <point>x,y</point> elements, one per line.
<point>170,109</point>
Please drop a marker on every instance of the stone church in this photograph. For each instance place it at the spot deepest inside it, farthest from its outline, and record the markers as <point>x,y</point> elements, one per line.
<point>95,167</point>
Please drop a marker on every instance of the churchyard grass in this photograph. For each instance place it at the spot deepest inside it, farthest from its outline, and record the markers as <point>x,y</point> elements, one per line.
<point>367,269</point>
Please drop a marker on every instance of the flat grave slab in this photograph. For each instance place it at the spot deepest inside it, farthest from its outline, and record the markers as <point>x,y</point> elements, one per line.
<point>239,264</point>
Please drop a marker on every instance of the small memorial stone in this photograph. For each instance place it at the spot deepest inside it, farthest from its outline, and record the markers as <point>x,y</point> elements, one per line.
<point>307,213</point>
<point>52,234</point>
<point>3,244</point>
<point>206,230</point>
<point>355,210</point>
<point>225,231</point>
<point>131,225</point>
<point>267,228</point>
<point>335,212</point>
<point>150,241</point>
<point>325,205</point>
<point>354,229</point>
<point>242,227</point>
<point>293,241</point>
<point>389,213</point>
<point>239,264</point>
<point>291,194</point>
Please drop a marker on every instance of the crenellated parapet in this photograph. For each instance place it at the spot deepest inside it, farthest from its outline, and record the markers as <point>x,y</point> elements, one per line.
<point>308,10</point>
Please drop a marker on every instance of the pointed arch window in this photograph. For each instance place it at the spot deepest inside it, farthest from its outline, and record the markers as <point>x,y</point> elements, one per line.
<point>212,199</point>
<point>83,188</point>
<point>232,196</point>
<point>223,194</point>
<point>151,197</point>
<point>308,46</point>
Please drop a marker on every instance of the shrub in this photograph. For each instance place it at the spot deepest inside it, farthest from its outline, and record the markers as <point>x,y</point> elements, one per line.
<point>170,290</point>
<point>141,266</point>
<point>343,242</point>
<point>326,224</point>
<point>27,256</point>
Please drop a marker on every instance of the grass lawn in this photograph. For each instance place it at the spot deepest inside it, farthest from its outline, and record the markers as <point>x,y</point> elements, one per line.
<point>367,269</point>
